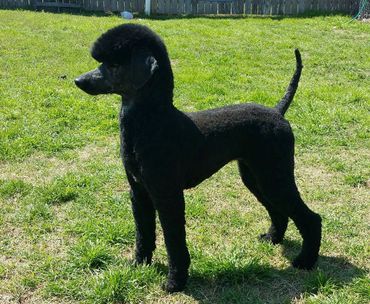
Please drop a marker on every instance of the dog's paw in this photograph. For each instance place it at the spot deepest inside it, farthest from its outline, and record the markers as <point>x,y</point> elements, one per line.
<point>267,237</point>
<point>176,282</point>
<point>304,263</point>
<point>172,286</point>
<point>143,259</point>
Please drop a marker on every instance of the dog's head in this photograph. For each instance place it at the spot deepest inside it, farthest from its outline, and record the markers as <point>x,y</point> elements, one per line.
<point>130,56</point>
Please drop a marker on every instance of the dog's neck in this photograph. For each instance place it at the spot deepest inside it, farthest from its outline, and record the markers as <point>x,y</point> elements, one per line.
<point>138,114</point>
<point>148,106</point>
<point>157,93</point>
<point>144,105</point>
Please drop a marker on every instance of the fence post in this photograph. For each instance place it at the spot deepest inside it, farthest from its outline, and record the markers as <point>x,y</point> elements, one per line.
<point>147,7</point>
<point>301,6</point>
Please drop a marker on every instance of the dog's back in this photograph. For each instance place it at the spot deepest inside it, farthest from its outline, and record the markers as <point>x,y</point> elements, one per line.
<point>235,132</point>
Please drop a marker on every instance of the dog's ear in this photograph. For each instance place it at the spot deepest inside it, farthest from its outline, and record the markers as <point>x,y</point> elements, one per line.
<point>143,66</point>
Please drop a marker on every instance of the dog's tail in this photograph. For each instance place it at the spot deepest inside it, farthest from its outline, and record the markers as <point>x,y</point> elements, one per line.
<point>284,103</point>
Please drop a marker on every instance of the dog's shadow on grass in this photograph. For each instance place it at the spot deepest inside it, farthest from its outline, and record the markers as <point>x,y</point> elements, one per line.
<point>261,283</point>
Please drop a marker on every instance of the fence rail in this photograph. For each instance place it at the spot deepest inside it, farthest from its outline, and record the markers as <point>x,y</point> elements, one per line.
<point>196,7</point>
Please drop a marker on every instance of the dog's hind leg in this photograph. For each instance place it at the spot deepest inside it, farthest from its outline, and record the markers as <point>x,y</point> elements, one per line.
<point>279,221</point>
<point>280,191</point>
<point>144,215</point>
<point>309,226</point>
<point>307,222</point>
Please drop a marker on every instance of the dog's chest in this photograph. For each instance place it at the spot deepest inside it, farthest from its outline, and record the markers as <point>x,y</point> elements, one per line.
<point>133,141</point>
<point>129,154</point>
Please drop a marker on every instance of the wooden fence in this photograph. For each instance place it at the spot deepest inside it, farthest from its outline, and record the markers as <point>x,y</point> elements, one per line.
<point>195,7</point>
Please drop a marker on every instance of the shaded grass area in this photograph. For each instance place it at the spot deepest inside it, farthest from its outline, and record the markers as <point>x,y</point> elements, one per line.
<point>66,225</point>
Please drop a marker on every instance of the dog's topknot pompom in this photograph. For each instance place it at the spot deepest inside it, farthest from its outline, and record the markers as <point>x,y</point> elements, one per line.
<point>117,43</point>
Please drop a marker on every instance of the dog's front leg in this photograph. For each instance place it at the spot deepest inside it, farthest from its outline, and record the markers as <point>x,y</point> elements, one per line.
<point>144,215</point>
<point>171,212</point>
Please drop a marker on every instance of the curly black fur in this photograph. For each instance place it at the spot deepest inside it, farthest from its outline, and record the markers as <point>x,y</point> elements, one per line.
<point>165,151</point>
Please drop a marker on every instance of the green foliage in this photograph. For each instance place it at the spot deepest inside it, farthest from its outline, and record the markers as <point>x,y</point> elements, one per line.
<point>123,285</point>
<point>92,255</point>
<point>318,281</point>
<point>12,187</point>
<point>355,180</point>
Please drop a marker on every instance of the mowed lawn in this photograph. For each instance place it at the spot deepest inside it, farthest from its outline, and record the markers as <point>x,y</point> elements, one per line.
<point>66,229</point>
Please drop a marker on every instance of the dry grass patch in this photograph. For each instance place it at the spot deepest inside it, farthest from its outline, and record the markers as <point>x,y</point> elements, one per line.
<point>41,169</point>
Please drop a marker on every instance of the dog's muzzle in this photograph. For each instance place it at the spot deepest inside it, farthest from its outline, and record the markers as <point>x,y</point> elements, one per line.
<point>93,83</point>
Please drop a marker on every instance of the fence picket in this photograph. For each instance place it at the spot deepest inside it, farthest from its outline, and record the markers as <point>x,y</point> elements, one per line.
<point>287,6</point>
<point>315,5</point>
<point>306,5</point>
<point>94,4</point>
<point>107,5</point>
<point>272,7</point>
<point>201,8</point>
<point>294,6</point>
<point>187,6</point>
<point>338,5</point>
<point>247,7</point>
<point>349,6</point>
<point>259,7</point>
<point>167,6</point>
<point>237,7</point>
<point>179,7</point>
<point>172,6</point>
<point>160,6</point>
<point>113,5</point>
<point>183,6</point>
<point>253,7</point>
<point>228,6</point>
<point>266,7</point>
<point>100,6</point>
<point>322,5</point>
<point>280,7</point>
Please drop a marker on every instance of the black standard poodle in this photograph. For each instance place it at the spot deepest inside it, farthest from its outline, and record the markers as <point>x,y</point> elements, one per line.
<point>165,151</point>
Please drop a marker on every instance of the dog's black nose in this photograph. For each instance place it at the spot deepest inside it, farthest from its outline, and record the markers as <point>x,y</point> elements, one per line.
<point>83,83</point>
<point>78,82</point>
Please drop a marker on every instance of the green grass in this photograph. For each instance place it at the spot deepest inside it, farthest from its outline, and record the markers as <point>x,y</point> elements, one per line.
<point>67,233</point>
